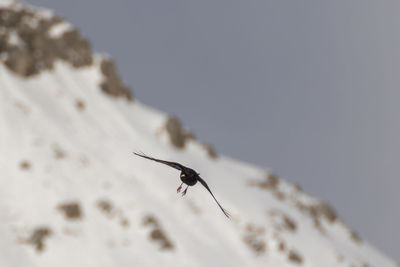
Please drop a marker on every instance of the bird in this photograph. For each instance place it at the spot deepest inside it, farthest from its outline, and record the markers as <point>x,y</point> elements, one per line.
<point>188,176</point>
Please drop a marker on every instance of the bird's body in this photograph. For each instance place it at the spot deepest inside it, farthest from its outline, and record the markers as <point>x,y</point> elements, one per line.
<point>188,176</point>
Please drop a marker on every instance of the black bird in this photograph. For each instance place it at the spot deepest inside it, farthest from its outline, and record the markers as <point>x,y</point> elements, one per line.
<point>188,176</point>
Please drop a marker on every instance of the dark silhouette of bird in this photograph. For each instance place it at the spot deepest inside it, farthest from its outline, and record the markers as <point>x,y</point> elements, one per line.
<point>188,176</point>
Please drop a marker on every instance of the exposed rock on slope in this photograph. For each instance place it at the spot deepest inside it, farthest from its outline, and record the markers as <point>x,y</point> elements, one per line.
<point>178,136</point>
<point>112,84</point>
<point>32,40</point>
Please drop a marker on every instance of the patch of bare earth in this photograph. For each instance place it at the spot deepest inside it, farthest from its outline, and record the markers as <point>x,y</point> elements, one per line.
<point>355,237</point>
<point>111,211</point>
<point>106,207</point>
<point>282,222</point>
<point>318,211</point>
<point>157,234</point>
<point>270,182</point>
<point>71,210</point>
<point>25,165</point>
<point>80,104</point>
<point>58,152</point>
<point>38,237</point>
<point>254,238</point>
<point>295,257</point>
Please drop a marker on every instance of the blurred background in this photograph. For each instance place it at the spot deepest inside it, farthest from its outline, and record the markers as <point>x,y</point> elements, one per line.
<point>309,89</point>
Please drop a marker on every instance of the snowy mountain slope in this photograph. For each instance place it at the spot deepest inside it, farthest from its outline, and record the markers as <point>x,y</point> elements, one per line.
<point>73,194</point>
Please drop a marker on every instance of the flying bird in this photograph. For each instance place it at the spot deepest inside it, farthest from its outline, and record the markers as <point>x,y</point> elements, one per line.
<point>188,176</point>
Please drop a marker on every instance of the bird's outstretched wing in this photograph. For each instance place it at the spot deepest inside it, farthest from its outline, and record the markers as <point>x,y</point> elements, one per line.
<point>206,186</point>
<point>169,163</point>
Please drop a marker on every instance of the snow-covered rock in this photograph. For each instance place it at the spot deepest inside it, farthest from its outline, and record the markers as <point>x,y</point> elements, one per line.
<point>73,194</point>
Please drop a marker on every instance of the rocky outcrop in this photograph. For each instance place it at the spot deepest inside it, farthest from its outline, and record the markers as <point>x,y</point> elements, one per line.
<point>33,40</point>
<point>178,135</point>
<point>38,237</point>
<point>112,84</point>
<point>71,210</point>
<point>30,42</point>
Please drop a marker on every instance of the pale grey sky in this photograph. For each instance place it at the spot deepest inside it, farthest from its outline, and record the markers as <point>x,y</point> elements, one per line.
<point>307,88</point>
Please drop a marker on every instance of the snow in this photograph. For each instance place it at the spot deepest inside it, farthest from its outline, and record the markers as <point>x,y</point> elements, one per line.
<point>6,3</point>
<point>14,39</point>
<point>57,30</point>
<point>54,152</point>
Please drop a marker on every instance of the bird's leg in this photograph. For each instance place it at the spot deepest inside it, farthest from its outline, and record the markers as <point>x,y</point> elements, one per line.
<point>184,192</point>
<point>179,188</point>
